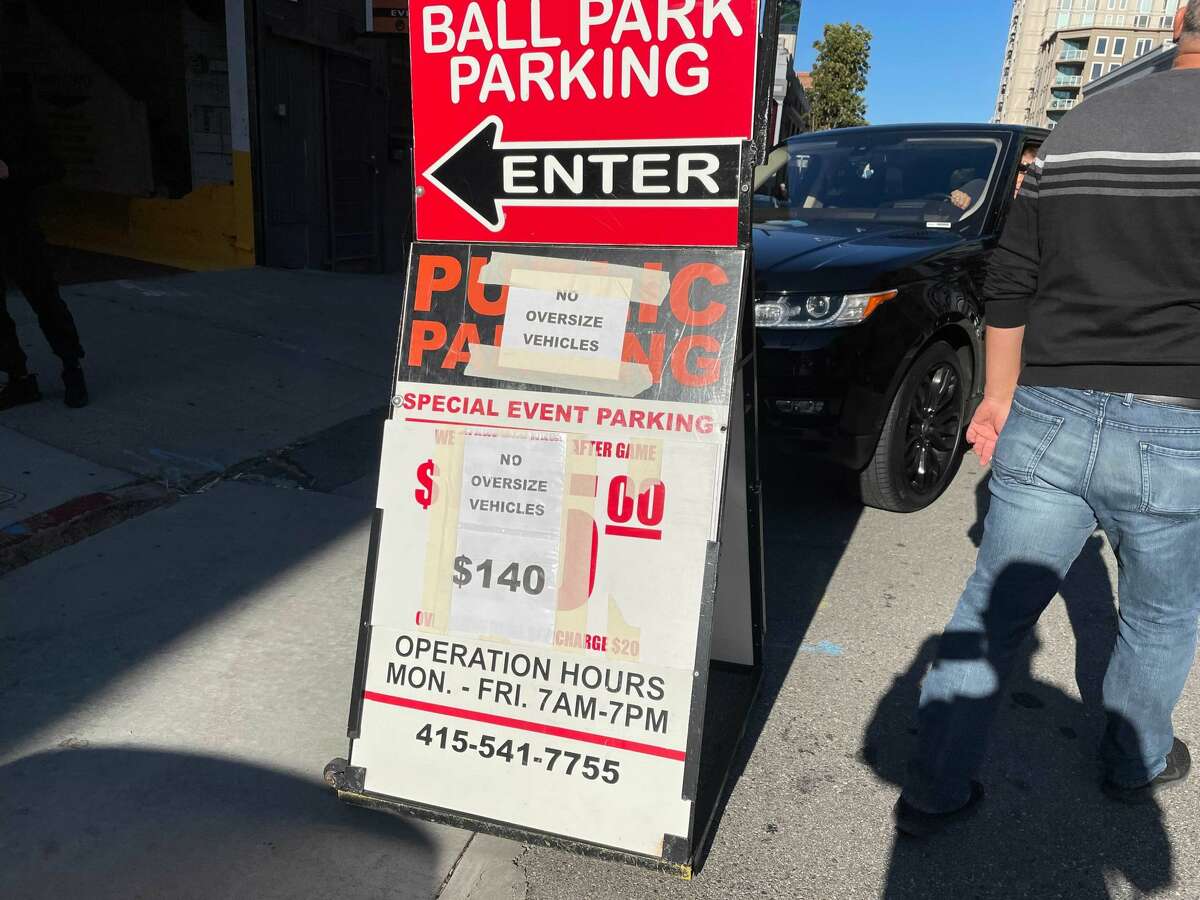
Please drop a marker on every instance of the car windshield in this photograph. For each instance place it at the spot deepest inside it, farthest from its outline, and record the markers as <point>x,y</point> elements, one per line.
<point>928,180</point>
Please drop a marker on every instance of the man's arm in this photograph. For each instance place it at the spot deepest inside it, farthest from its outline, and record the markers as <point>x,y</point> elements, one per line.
<point>1003,370</point>
<point>1012,277</point>
<point>1011,284</point>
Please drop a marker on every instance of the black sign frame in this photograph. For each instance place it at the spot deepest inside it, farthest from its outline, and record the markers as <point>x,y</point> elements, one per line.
<point>716,729</point>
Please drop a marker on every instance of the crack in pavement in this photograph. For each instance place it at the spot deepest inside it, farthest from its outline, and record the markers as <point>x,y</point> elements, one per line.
<point>90,514</point>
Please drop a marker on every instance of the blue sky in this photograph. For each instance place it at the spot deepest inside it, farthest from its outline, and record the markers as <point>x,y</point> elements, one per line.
<point>931,60</point>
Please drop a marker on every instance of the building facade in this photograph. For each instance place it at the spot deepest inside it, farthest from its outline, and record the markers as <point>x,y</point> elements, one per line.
<point>1026,30</point>
<point>1159,61</point>
<point>788,113</point>
<point>1056,47</point>
<point>215,134</point>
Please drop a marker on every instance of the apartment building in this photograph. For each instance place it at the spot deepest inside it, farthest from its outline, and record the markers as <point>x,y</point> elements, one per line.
<point>1028,27</point>
<point>1056,47</point>
<point>788,109</point>
<point>1150,64</point>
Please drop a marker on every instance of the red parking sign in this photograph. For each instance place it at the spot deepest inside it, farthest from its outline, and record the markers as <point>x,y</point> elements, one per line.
<point>582,121</point>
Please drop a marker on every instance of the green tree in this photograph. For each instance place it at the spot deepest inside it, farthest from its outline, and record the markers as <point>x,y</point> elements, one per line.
<point>839,78</point>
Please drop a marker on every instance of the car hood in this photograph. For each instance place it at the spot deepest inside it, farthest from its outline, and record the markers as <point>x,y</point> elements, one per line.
<point>842,256</point>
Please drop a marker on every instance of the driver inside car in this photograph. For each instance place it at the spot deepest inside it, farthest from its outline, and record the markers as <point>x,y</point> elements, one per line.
<point>969,192</point>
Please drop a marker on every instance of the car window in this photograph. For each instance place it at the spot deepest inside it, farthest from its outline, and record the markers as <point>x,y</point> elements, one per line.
<point>936,182</point>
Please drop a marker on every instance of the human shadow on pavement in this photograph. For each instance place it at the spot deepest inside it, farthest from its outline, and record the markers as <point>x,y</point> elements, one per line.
<point>123,823</point>
<point>1044,828</point>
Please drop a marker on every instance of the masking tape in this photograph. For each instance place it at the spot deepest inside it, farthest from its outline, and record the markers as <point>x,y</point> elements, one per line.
<point>634,378</point>
<point>559,364</point>
<point>604,287</point>
<point>648,286</point>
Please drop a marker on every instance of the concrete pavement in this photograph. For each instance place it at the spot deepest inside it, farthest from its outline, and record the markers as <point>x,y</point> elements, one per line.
<point>194,373</point>
<point>36,477</point>
<point>254,375</point>
<point>171,686</point>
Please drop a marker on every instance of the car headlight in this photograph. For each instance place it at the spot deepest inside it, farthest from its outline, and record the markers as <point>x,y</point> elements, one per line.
<point>818,310</point>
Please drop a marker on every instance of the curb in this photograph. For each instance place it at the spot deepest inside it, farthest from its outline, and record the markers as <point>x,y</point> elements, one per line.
<point>41,534</point>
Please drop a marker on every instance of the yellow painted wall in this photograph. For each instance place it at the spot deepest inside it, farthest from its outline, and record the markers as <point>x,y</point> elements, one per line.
<point>210,228</point>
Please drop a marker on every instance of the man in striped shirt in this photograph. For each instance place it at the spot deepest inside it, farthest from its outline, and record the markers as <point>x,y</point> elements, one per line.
<point>1091,418</point>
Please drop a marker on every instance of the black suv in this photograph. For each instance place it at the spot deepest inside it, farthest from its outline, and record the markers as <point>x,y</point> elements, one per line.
<point>869,252</point>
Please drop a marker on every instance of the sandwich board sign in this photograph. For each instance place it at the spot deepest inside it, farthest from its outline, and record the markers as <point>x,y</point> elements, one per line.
<point>562,622</point>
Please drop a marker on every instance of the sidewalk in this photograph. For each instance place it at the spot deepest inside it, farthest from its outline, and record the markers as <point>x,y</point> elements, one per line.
<point>194,373</point>
<point>176,670</point>
<point>191,376</point>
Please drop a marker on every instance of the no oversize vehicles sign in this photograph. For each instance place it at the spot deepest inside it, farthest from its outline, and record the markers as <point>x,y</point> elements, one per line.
<point>582,121</point>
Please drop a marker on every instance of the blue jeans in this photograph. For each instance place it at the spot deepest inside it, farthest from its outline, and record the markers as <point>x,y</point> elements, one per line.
<point>1067,461</point>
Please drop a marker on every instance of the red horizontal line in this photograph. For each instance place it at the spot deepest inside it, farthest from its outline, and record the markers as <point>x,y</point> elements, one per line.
<point>478,425</point>
<point>652,534</point>
<point>523,725</point>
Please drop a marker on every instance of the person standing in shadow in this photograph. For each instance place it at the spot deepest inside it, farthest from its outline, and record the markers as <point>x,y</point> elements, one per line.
<point>26,164</point>
<point>1091,417</point>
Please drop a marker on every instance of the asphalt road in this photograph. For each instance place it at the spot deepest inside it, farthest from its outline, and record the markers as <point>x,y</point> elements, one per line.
<point>855,598</point>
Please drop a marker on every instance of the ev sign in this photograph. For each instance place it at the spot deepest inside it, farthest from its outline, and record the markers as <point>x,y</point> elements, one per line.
<point>618,122</point>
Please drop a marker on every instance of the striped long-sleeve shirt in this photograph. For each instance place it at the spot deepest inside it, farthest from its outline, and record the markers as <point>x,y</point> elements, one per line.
<point>1100,259</point>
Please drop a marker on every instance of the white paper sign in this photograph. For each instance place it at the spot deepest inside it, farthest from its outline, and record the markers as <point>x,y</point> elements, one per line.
<point>566,331</point>
<point>505,586</point>
<point>513,483</point>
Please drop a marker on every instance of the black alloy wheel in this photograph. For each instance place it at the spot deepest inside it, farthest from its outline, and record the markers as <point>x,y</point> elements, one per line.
<point>934,426</point>
<point>921,445</point>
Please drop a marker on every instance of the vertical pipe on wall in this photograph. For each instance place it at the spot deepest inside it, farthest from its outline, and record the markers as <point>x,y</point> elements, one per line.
<point>239,116</point>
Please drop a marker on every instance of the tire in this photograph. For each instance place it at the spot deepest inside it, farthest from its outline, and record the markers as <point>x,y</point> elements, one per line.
<point>921,445</point>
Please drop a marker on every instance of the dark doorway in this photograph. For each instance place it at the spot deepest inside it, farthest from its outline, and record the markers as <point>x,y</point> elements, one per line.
<point>352,142</point>
<point>331,106</point>
<point>294,215</point>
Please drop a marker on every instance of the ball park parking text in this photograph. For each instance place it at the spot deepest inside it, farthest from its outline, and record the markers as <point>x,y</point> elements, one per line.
<point>489,55</point>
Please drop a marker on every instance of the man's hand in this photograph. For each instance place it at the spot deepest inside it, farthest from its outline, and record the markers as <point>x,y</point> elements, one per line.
<point>3,170</point>
<point>960,199</point>
<point>1003,370</point>
<point>985,428</point>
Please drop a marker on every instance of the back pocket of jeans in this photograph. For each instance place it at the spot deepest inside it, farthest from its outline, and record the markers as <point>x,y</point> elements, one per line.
<point>1026,437</point>
<point>1170,481</point>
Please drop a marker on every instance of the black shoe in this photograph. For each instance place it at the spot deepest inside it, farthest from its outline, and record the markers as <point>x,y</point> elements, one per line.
<point>76,394</point>
<point>916,823</point>
<point>1179,764</point>
<point>19,391</point>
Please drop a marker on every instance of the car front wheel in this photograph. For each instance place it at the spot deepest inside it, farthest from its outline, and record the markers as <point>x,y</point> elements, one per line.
<point>921,445</point>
